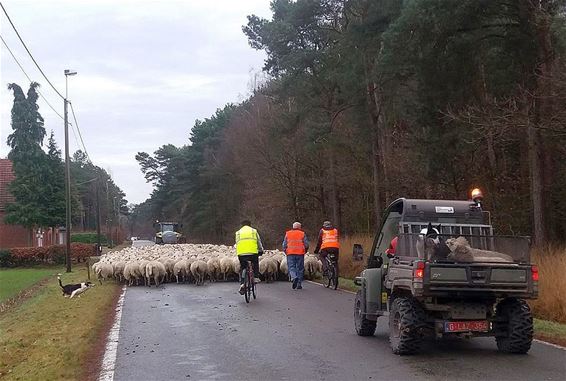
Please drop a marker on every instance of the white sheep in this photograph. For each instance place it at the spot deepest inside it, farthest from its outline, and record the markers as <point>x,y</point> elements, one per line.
<point>268,268</point>
<point>180,270</point>
<point>103,271</point>
<point>155,270</point>
<point>213,268</point>
<point>199,269</point>
<point>132,273</point>
<point>226,266</point>
<point>119,270</point>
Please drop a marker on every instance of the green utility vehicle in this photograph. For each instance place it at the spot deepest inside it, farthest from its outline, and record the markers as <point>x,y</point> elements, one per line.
<point>168,232</point>
<point>425,293</point>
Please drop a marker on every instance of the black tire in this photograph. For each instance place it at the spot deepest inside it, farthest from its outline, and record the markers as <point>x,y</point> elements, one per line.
<point>253,287</point>
<point>363,326</point>
<point>334,277</point>
<point>246,286</point>
<point>514,326</point>
<point>406,319</point>
<point>328,276</point>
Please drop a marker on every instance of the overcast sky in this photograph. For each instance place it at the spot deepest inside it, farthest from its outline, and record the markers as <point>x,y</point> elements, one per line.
<point>146,71</point>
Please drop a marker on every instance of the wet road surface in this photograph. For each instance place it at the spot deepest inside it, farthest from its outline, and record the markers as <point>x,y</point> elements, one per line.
<point>185,332</point>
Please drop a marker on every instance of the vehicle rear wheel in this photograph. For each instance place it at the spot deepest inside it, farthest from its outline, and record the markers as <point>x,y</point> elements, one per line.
<point>514,328</point>
<point>406,319</point>
<point>364,327</point>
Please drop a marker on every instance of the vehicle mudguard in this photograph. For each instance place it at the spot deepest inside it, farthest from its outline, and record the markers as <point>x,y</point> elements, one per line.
<point>372,292</point>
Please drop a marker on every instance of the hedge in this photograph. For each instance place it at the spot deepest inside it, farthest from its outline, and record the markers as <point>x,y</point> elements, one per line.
<point>26,256</point>
<point>88,238</point>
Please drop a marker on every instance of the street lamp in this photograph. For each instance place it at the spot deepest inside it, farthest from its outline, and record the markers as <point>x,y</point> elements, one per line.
<point>67,73</point>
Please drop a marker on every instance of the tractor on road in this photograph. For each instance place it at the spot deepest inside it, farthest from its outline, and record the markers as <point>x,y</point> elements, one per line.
<point>168,233</point>
<point>437,270</point>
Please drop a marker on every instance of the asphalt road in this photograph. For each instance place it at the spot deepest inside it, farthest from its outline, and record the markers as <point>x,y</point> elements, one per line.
<point>184,332</point>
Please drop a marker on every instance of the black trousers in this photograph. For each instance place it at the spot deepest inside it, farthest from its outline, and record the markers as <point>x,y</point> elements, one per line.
<point>244,264</point>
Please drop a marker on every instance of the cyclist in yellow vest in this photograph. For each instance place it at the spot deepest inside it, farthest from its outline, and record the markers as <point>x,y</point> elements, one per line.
<point>248,248</point>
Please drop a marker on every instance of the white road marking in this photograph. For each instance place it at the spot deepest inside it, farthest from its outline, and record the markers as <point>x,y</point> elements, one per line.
<point>109,360</point>
<point>550,344</point>
<point>341,289</point>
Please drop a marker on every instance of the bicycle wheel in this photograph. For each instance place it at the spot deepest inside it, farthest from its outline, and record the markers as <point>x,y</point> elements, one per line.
<point>328,275</point>
<point>335,277</point>
<point>253,288</point>
<point>246,286</point>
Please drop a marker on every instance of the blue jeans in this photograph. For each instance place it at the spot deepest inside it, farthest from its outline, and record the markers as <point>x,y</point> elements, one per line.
<point>296,266</point>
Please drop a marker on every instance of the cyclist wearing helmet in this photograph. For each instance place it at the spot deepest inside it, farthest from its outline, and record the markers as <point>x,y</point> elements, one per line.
<point>328,243</point>
<point>248,248</point>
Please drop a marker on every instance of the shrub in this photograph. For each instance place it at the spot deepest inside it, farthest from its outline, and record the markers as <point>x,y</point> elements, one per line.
<point>88,238</point>
<point>25,256</point>
<point>5,258</point>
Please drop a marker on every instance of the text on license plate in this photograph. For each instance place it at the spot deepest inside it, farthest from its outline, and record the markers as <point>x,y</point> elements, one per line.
<point>466,326</point>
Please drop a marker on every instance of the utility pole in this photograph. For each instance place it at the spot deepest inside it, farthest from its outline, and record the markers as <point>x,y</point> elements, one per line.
<point>67,175</point>
<point>98,247</point>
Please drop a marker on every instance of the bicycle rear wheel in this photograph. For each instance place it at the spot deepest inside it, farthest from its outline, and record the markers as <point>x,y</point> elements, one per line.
<point>246,286</point>
<point>327,275</point>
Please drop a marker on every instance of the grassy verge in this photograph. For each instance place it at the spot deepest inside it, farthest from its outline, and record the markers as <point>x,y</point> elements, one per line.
<point>550,331</point>
<point>343,283</point>
<point>12,281</point>
<point>50,337</point>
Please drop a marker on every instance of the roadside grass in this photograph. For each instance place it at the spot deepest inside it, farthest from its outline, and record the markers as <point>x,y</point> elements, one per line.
<point>12,281</point>
<point>551,303</point>
<point>550,331</point>
<point>50,337</point>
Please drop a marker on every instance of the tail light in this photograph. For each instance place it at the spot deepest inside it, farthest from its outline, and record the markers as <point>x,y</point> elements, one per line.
<point>534,273</point>
<point>419,270</point>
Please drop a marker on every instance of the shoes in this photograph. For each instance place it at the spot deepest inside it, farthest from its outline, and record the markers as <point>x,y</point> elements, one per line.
<point>257,280</point>
<point>299,286</point>
<point>242,290</point>
<point>295,283</point>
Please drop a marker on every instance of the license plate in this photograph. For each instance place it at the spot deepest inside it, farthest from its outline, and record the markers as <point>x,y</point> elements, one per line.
<point>466,326</point>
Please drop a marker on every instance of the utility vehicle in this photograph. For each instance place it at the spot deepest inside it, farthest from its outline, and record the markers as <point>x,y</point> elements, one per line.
<point>440,297</point>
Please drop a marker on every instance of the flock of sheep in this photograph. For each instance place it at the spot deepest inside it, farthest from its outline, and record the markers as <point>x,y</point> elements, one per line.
<point>192,263</point>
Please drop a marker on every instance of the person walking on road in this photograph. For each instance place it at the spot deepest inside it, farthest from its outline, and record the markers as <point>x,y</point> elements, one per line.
<point>295,245</point>
<point>248,248</point>
<point>328,243</point>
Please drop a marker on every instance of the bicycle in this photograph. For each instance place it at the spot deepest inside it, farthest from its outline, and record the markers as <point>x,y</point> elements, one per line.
<point>330,274</point>
<point>249,282</point>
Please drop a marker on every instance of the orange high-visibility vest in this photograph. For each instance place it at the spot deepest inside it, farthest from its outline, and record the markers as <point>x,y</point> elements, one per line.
<point>330,239</point>
<point>295,242</point>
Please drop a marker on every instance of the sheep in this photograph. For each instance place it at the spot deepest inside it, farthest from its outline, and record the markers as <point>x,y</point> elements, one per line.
<point>268,268</point>
<point>132,272</point>
<point>180,270</point>
<point>226,266</point>
<point>283,267</point>
<point>461,251</point>
<point>311,266</point>
<point>119,270</point>
<point>103,271</point>
<point>156,270</point>
<point>236,267</point>
<point>199,269</point>
<point>213,268</point>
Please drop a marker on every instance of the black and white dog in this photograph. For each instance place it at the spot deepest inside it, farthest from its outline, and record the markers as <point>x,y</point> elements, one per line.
<point>431,246</point>
<point>74,289</point>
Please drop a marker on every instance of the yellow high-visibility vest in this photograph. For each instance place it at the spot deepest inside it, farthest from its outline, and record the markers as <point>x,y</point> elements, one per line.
<point>246,241</point>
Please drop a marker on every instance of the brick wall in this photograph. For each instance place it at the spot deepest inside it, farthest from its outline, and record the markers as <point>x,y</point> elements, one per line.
<point>10,235</point>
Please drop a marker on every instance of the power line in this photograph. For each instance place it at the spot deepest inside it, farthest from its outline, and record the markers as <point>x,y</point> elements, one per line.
<point>25,46</point>
<point>79,131</point>
<point>28,77</point>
